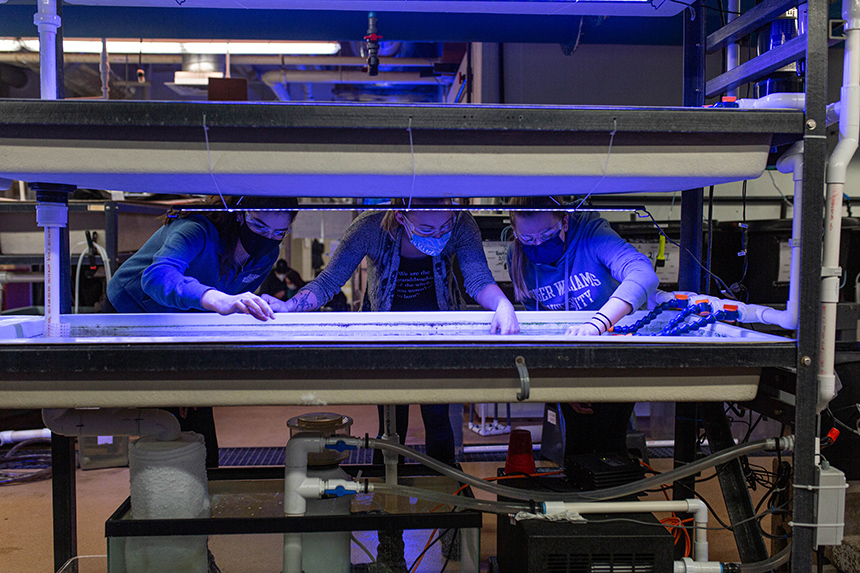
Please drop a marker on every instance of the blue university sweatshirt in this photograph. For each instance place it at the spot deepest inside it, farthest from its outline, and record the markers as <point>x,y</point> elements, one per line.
<point>177,265</point>
<point>596,265</point>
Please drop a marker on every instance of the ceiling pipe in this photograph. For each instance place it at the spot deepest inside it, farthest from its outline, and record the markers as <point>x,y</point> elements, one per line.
<point>350,77</point>
<point>235,60</point>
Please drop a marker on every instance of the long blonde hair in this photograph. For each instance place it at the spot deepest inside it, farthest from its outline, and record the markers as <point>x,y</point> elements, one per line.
<point>389,222</point>
<point>518,258</point>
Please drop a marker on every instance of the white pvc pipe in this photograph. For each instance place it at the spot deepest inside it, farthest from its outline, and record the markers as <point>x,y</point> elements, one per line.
<point>733,49</point>
<point>788,101</point>
<point>295,475</point>
<point>775,101</point>
<point>849,130</point>
<point>694,506</point>
<point>14,436</point>
<point>47,21</point>
<point>687,565</point>
<point>104,70</point>
<point>22,277</point>
<point>52,217</point>
<point>160,424</point>
<point>274,77</point>
<point>52,282</point>
<point>281,91</point>
<point>790,162</point>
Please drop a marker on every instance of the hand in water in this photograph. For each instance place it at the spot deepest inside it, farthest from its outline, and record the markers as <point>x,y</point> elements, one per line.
<point>505,320</point>
<point>244,303</point>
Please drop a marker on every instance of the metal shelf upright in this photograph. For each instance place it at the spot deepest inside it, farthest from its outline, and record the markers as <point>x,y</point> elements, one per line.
<point>813,48</point>
<point>160,122</point>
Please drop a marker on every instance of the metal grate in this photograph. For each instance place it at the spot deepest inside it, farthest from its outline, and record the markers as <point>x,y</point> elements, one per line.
<point>275,456</point>
<point>599,563</point>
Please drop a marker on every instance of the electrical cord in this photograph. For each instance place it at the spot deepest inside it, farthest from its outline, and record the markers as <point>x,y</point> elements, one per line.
<point>737,289</point>
<point>362,547</point>
<point>724,288</point>
<point>710,236</point>
<point>102,253</point>
<point>842,424</point>
<point>426,549</point>
<point>711,509</point>
<point>12,476</point>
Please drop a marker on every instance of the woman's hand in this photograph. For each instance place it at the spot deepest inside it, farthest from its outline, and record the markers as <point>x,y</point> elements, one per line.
<point>244,303</point>
<point>277,304</point>
<point>304,301</point>
<point>505,319</point>
<point>585,329</point>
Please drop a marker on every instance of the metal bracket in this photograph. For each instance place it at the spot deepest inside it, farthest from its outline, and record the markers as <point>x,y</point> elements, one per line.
<point>523,394</point>
<point>832,26</point>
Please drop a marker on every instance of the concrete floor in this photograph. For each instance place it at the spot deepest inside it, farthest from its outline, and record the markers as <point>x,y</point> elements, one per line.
<point>25,510</point>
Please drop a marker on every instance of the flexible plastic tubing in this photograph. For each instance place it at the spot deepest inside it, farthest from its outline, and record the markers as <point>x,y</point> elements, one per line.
<point>769,564</point>
<point>448,499</point>
<point>690,469</point>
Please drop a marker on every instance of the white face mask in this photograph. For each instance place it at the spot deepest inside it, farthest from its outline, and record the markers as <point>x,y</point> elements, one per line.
<point>280,276</point>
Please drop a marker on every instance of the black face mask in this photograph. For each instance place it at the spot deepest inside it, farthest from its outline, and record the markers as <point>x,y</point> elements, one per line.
<point>254,244</point>
<point>547,253</point>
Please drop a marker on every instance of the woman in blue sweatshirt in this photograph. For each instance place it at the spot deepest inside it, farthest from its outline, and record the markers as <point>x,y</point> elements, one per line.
<point>575,261</point>
<point>209,261</point>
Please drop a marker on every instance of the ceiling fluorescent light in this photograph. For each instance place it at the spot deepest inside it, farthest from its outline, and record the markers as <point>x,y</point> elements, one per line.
<point>73,46</point>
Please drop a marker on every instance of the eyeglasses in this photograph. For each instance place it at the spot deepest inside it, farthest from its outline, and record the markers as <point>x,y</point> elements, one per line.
<point>541,237</point>
<point>428,230</point>
<point>262,229</point>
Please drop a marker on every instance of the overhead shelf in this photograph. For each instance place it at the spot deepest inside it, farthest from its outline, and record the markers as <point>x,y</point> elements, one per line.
<point>349,150</point>
<point>531,7</point>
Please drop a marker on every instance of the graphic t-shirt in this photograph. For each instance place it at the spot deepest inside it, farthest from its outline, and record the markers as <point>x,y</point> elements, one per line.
<point>416,287</point>
<point>595,262</point>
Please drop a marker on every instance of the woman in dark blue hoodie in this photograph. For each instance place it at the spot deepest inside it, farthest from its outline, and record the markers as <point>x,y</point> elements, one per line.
<point>208,261</point>
<point>575,261</point>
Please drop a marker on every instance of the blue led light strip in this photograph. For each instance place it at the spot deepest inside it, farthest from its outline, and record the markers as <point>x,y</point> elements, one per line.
<point>334,207</point>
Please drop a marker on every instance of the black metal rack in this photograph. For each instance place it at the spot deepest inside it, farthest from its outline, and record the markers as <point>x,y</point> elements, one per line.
<point>465,125</point>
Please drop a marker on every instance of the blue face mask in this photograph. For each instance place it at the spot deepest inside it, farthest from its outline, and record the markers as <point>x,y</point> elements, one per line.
<point>430,246</point>
<point>547,253</point>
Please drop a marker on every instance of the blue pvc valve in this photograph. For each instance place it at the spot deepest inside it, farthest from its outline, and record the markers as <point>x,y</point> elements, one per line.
<point>340,446</point>
<point>339,491</point>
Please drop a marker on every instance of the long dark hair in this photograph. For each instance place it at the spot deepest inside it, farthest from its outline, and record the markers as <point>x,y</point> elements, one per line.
<point>518,258</point>
<point>226,222</point>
